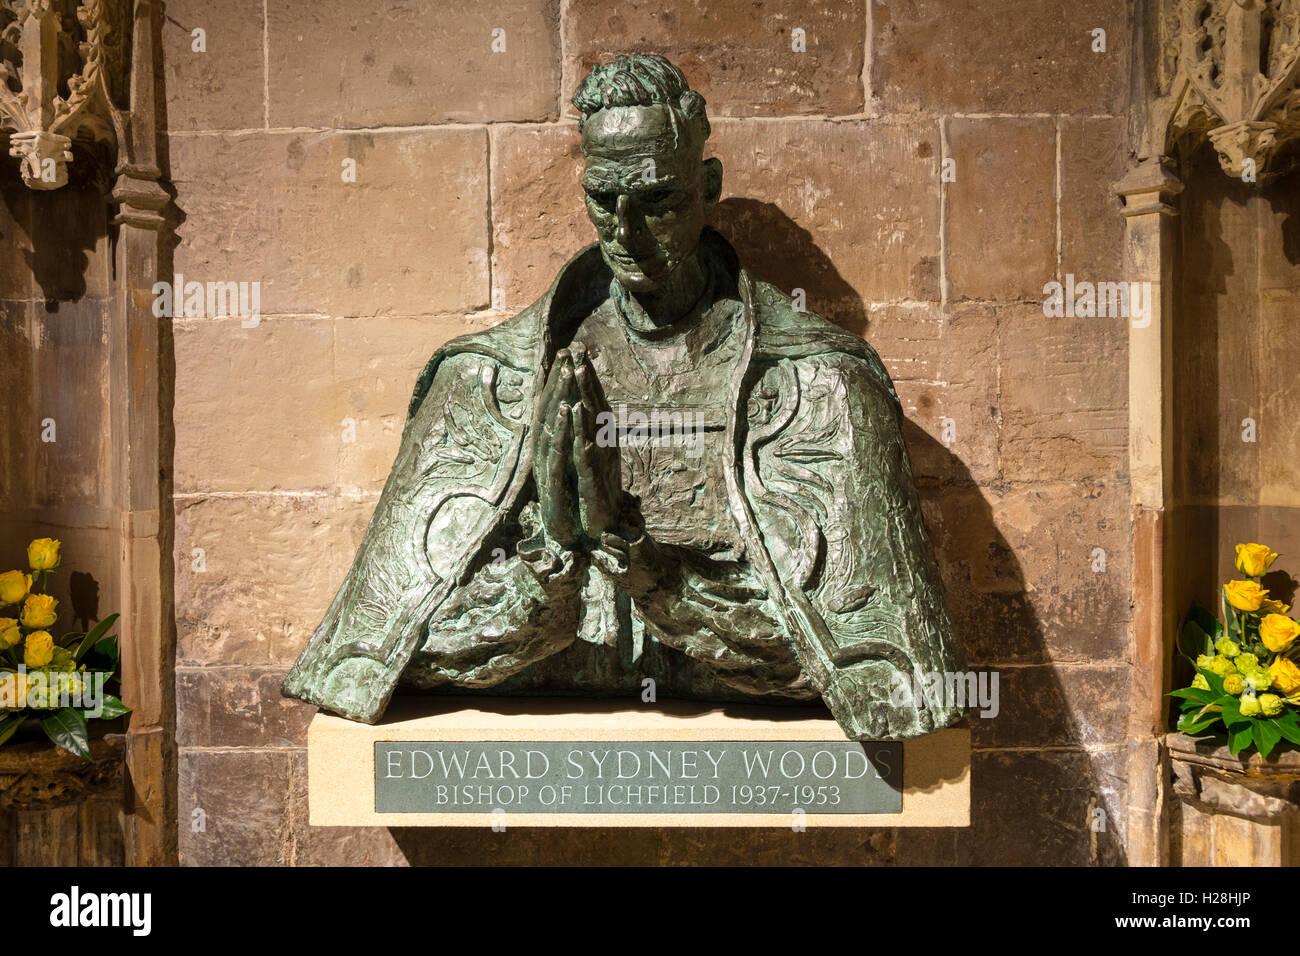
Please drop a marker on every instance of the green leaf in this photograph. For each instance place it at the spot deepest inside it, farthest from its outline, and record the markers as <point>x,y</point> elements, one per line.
<point>108,648</point>
<point>67,729</point>
<point>1215,682</point>
<point>1198,726</point>
<point>9,725</point>
<point>1194,640</point>
<point>1232,713</point>
<point>1240,738</point>
<point>1267,735</point>
<point>1194,693</point>
<point>1208,623</point>
<point>1290,730</point>
<point>94,636</point>
<point>113,708</point>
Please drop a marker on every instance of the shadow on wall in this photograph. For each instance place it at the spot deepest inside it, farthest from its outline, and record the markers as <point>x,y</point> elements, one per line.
<point>1029,805</point>
<point>778,250</point>
<point>64,228</point>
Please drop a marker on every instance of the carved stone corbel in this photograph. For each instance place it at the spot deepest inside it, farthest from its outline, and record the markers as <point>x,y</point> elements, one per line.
<point>1230,71</point>
<point>41,123</point>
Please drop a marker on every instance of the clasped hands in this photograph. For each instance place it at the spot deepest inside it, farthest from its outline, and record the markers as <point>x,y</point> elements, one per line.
<point>578,477</point>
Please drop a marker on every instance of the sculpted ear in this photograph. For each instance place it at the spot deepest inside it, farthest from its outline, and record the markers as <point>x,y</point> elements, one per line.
<point>712,183</point>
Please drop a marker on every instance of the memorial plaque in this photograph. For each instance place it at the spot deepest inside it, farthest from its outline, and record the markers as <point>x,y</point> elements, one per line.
<point>734,776</point>
<point>566,763</point>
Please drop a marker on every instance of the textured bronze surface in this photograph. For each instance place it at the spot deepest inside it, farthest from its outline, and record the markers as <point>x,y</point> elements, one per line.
<point>661,471</point>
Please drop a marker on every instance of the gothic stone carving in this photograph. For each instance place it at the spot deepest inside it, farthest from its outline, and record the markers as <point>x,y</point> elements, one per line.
<point>1230,71</point>
<point>41,123</point>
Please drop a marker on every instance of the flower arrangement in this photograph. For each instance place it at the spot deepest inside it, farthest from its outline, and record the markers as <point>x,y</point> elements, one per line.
<point>1246,676</point>
<point>61,683</point>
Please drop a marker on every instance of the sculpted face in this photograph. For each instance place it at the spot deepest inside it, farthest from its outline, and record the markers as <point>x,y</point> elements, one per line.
<point>647,196</point>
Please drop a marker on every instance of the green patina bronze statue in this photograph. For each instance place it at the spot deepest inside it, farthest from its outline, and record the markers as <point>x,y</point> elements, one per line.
<point>659,470</point>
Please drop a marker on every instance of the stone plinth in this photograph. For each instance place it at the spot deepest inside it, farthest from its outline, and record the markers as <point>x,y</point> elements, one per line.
<point>342,765</point>
<point>1233,811</point>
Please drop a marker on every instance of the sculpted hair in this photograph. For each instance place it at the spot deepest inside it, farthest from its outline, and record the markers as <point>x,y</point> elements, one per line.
<point>642,79</point>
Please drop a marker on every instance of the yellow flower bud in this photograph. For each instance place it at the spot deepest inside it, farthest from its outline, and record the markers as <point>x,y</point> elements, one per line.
<point>1277,607</point>
<point>43,554</point>
<point>38,611</point>
<point>9,633</point>
<point>39,649</point>
<point>13,691</point>
<point>1286,676</point>
<point>1277,632</point>
<point>1245,595</point>
<point>1252,559</point>
<point>14,586</point>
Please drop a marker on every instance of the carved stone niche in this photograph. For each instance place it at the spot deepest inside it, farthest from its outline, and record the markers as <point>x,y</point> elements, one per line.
<point>59,63</point>
<point>1229,71</point>
<point>39,776</point>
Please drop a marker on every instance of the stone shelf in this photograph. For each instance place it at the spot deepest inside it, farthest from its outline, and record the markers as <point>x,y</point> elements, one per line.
<point>40,776</point>
<point>342,766</point>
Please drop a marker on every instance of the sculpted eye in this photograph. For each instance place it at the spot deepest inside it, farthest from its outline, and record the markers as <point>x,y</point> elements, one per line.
<point>657,197</point>
<point>606,201</point>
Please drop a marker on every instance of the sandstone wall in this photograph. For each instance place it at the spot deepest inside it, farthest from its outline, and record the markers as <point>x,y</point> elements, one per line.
<point>466,202</point>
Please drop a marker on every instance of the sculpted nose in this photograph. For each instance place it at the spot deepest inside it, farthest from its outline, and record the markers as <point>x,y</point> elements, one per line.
<point>622,212</point>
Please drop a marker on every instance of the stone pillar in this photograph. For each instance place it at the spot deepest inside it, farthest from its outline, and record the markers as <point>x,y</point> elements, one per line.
<point>147,653</point>
<point>1149,250</point>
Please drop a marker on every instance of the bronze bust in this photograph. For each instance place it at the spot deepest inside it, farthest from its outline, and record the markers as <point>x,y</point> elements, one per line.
<point>659,470</point>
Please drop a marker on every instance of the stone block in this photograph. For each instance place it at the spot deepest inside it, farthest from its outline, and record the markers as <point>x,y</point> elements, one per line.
<point>237,707</point>
<point>376,362</point>
<point>222,84</point>
<point>1018,565</point>
<point>1094,156</point>
<point>539,219</point>
<point>425,253</point>
<point>256,408</point>
<point>1001,208</point>
<point>1055,706</point>
<point>739,55</point>
<point>1064,385</point>
<point>849,211</point>
<point>1015,56</point>
<point>407,63</point>
<point>254,574</point>
<point>233,808</point>
<point>945,369</point>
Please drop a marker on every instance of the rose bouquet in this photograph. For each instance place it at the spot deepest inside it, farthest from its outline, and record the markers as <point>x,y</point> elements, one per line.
<point>60,683</point>
<point>1246,676</point>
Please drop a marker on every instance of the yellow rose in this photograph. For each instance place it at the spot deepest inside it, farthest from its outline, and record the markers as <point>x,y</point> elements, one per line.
<point>43,554</point>
<point>1286,676</point>
<point>38,611</point>
<point>1277,632</point>
<point>1252,559</point>
<point>39,649</point>
<point>1277,607</point>
<point>1245,595</point>
<point>14,586</point>
<point>13,691</point>
<point>9,633</point>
